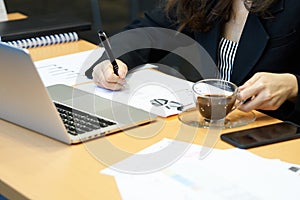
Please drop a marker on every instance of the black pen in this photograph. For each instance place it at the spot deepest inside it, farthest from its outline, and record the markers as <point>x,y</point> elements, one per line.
<point>105,43</point>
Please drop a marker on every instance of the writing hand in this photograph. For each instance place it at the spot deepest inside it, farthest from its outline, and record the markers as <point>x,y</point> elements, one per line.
<point>104,76</point>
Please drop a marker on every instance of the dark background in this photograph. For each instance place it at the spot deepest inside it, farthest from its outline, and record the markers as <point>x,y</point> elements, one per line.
<point>110,15</point>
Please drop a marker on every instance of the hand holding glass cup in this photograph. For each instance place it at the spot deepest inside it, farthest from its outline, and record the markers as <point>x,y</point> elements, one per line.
<point>215,100</point>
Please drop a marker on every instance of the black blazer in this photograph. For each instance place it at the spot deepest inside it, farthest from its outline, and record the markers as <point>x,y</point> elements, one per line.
<point>266,45</point>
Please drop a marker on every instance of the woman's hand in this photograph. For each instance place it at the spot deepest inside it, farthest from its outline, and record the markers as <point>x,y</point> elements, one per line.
<point>103,75</point>
<point>268,91</point>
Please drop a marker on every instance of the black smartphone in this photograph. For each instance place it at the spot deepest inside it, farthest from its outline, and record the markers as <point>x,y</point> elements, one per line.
<point>263,135</point>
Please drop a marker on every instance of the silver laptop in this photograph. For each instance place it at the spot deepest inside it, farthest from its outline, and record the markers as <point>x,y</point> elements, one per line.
<point>60,112</point>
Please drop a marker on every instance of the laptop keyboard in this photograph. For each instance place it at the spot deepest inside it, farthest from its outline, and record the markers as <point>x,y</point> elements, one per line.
<point>78,122</point>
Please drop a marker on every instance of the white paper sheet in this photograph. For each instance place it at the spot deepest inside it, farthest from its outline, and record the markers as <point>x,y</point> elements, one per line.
<point>146,85</point>
<point>223,174</point>
<point>3,12</point>
<point>68,69</point>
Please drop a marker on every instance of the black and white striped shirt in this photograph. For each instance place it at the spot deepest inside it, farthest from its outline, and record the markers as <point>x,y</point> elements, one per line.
<point>227,51</point>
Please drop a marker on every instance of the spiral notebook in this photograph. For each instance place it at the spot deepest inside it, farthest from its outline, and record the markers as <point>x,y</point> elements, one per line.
<point>44,30</point>
<point>45,40</point>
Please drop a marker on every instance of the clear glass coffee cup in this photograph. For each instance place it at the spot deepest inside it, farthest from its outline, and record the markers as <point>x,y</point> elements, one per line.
<point>215,99</point>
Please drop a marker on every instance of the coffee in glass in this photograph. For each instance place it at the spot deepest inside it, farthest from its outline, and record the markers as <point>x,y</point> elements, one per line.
<point>215,98</point>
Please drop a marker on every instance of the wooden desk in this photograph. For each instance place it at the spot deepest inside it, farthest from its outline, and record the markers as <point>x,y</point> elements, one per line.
<point>16,16</point>
<point>58,50</point>
<point>36,167</point>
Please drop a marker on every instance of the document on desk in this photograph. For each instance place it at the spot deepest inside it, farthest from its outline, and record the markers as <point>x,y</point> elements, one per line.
<point>146,88</point>
<point>150,90</point>
<point>223,174</point>
<point>68,69</point>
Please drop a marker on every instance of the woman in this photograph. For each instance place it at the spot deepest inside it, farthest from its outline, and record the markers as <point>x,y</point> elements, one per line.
<point>254,43</point>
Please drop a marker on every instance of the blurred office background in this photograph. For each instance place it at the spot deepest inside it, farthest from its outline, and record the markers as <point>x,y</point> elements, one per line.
<point>112,15</point>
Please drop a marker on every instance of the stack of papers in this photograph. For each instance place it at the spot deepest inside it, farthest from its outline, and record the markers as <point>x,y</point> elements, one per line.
<point>223,174</point>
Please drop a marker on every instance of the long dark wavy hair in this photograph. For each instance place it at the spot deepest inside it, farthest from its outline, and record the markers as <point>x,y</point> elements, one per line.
<point>199,15</point>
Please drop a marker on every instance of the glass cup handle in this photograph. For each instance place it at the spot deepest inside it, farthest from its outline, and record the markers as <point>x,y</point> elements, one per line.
<point>237,103</point>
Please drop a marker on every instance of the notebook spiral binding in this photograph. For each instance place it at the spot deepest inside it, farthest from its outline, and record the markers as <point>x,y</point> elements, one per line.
<point>45,40</point>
